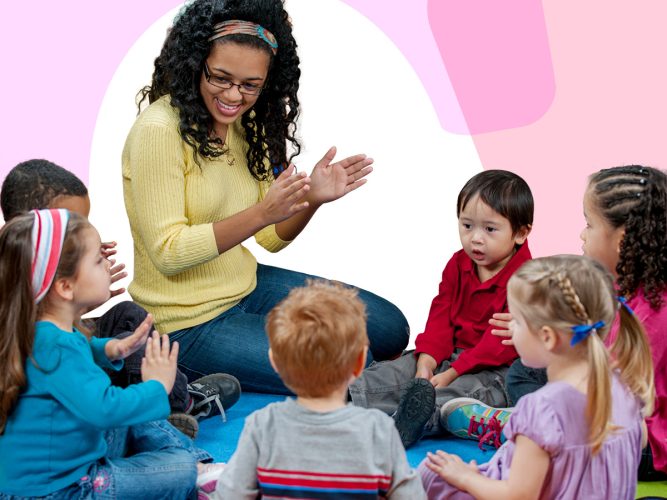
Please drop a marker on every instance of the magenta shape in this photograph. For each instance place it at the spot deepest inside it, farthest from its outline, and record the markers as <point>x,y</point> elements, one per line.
<point>498,59</point>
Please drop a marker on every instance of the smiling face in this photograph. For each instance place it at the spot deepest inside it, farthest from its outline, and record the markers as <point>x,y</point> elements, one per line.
<point>487,237</point>
<point>241,65</point>
<point>601,241</point>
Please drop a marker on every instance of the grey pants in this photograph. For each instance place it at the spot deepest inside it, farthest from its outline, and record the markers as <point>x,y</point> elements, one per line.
<point>382,384</point>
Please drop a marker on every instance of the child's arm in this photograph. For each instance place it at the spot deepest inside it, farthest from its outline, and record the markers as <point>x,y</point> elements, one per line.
<point>405,481</point>
<point>437,340</point>
<point>644,434</point>
<point>488,352</point>
<point>238,479</point>
<point>500,328</point>
<point>116,349</point>
<point>82,387</point>
<point>528,470</point>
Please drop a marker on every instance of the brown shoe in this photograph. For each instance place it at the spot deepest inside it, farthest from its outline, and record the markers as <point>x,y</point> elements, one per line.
<point>185,423</point>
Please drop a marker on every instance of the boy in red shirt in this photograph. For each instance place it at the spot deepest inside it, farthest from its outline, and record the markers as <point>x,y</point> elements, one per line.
<point>456,355</point>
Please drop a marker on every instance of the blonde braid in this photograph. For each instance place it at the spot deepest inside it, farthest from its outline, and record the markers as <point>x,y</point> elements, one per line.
<point>571,297</point>
<point>598,404</point>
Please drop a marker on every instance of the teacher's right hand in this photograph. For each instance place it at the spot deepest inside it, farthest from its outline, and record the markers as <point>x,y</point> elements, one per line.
<point>286,195</point>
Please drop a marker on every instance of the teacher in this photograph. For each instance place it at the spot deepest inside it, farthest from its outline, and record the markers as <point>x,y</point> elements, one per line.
<point>205,167</point>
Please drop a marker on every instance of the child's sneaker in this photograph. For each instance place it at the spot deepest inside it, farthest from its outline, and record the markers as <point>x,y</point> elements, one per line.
<point>220,388</point>
<point>207,479</point>
<point>185,423</point>
<point>469,418</point>
<point>414,410</point>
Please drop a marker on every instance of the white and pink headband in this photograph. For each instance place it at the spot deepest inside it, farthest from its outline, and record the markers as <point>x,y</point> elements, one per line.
<point>48,235</point>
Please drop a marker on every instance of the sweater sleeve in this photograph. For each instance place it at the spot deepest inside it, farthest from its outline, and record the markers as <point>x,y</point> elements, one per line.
<point>267,237</point>
<point>239,478</point>
<point>84,389</point>
<point>437,340</point>
<point>97,346</point>
<point>157,172</point>
<point>488,352</point>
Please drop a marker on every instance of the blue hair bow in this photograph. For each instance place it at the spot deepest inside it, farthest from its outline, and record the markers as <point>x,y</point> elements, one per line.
<point>583,331</point>
<point>624,303</point>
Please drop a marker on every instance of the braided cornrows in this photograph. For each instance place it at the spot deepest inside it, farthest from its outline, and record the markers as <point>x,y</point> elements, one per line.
<point>571,297</point>
<point>635,197</point>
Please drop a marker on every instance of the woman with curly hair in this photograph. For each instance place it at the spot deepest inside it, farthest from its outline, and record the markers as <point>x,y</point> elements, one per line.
<point>626,230</point>
<point>206,166</point>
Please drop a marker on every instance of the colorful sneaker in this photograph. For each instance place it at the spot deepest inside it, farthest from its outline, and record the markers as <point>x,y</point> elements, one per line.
<point>213,394</point>
<point>415,409</point>
<point>185,423</point>
<point>469,418</point>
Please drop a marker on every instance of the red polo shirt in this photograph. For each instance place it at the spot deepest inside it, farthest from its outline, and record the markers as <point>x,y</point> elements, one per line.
<point>460,313</point>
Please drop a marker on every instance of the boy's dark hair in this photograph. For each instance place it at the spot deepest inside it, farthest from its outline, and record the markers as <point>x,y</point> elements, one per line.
<point>635,197</point>
<point>33,184</point>
<point>505,192</point>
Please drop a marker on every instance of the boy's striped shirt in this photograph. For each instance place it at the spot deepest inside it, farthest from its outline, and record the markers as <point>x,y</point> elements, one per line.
<point>276,483</point>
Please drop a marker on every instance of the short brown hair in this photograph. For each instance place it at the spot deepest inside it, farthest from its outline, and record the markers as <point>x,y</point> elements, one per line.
<point>316,335</point>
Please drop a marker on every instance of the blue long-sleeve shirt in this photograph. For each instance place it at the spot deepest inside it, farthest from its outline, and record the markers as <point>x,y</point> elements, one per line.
<point>55,431</point>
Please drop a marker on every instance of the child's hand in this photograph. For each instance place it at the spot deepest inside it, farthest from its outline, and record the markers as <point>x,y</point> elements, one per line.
<point>117,271</point>
<point>451,468</point>
<point>445,378</point>
<point>158,363</point>
<point>502,323</point>
<point>424,372</point>
<point>122,348</point>
<point>425,366</point>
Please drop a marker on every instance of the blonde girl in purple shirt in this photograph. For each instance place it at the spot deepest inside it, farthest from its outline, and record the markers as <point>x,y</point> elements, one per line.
<point>581,435</point>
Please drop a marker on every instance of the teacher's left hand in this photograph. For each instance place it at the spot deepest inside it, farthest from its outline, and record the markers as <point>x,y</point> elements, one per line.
<point>330,181</point>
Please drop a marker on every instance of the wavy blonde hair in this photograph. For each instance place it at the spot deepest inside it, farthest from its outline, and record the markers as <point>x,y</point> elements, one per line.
<point>565,291</point>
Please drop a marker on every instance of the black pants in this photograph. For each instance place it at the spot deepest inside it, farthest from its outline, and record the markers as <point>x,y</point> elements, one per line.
<point>647,471</point>
<point>120,321</point>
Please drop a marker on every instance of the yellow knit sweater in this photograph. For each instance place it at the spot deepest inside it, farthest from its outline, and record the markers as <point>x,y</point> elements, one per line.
<point>172,204</point>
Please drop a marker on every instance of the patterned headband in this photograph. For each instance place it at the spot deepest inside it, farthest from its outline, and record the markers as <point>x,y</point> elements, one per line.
<point>48,235</point>
<point>236,27</point>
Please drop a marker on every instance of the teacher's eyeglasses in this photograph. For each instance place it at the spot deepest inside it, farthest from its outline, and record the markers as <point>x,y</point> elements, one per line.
<point>224,83</point>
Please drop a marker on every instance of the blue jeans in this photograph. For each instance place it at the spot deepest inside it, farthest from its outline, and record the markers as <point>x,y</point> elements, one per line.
<point>235,342</point>
<point>149,460</point>
<point>521,380</point>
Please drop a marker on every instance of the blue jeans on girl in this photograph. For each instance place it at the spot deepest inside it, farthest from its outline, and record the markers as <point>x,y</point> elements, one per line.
<point>149,460</point>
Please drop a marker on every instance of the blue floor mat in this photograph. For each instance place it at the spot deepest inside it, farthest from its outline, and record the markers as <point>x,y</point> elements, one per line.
<point>220,439</point>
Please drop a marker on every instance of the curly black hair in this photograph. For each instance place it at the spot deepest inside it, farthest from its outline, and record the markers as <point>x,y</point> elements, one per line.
<point>635,197</point>
<point>34,184</point>
<point>271,122</point>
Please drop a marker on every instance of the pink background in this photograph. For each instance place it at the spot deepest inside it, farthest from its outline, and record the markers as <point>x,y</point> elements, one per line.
<point>552,90</point>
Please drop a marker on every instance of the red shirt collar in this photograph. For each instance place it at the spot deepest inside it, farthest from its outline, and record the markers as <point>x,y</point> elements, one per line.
<point>522,255</point>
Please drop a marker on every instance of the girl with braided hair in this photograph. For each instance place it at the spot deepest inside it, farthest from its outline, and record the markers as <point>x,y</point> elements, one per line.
<point>626,230</point>
<point>207,166</point>
<point>581,435</point>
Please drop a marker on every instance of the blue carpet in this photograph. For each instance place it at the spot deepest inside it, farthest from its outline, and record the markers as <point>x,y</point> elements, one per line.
<point>220,439</point>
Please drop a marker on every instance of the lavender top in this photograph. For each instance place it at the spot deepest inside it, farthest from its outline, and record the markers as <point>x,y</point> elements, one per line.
<point>553,417</point>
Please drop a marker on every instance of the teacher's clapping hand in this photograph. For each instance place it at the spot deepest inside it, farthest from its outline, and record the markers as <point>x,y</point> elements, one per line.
<point>330,181</point>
